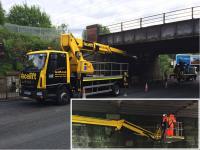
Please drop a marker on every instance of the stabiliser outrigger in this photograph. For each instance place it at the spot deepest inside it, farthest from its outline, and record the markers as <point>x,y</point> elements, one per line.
<point>119,124</point>
<point>66,73</point>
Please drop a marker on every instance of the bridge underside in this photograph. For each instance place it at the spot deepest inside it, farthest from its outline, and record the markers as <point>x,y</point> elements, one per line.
<point>182,108</point>
<point>175,37</point>
<point>171,46</point>
<point>149,42</point>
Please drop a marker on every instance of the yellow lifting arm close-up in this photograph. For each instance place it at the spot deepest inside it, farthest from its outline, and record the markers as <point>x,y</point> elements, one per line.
<point>119,124</point>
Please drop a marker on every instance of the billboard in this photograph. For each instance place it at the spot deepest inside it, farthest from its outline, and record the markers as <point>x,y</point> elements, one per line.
<point>195,59</point>
<point>188,59</point>
<point>185,58</point>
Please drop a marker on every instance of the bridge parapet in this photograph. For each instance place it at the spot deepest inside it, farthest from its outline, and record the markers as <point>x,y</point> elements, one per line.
<point>168,17</point>
<point>180,29</point>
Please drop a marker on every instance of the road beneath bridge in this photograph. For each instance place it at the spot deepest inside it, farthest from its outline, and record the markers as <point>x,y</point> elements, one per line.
<point>188,89</point>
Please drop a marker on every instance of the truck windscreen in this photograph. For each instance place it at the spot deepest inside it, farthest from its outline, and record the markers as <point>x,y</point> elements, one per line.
<point>37,60</point>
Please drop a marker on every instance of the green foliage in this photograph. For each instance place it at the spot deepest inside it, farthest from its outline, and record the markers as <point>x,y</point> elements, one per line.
<point>165,63</point>
<point>103,29</point>
<point>63,27</point>
<point>5,67</point>
<point>28,16</point>
<point>16,46</point>
<point>2,13</point>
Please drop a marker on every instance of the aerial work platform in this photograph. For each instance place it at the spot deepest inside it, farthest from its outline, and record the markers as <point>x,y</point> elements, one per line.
<point>135,129</point>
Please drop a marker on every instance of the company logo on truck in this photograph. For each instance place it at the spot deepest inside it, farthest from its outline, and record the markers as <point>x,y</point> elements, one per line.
<point>29,76</point>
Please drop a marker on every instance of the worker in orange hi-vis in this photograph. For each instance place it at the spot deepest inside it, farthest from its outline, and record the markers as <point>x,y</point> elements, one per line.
<point>164,126</point>
<point>171,122</point>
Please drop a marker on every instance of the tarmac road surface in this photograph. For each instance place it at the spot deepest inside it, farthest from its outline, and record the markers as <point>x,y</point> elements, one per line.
<point>26,124</point>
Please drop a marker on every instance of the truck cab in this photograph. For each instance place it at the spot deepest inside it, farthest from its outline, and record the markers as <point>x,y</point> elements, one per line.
<point>45,71</point>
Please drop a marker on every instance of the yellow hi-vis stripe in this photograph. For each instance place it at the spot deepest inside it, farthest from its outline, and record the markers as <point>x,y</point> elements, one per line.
<point>101,78</point>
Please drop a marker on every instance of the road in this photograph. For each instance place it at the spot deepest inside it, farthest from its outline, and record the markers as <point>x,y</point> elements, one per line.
<point>188,89</point>
<point>26,124</point>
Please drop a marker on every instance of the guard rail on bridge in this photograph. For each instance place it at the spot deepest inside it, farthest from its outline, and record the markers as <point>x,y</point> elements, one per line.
<point>172,16</point>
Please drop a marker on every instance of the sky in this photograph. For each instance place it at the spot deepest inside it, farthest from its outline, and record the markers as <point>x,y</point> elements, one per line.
<point>80,13</point>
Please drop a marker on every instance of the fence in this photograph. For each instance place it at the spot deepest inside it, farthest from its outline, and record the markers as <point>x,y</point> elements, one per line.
<point>172,16</point>
<point>109,68</point>
<point>9,87</point>
<point>44,33</point>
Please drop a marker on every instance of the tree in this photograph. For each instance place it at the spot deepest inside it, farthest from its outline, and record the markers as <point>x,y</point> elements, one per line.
<point>103,29</point>
<point>16,46</point>
<point>63,27</point>
<point>2,12</point>
<point>165,63</point>
<point>28,16</point>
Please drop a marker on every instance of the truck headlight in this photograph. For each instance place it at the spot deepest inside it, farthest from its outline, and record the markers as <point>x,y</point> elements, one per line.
<point>39,93</point>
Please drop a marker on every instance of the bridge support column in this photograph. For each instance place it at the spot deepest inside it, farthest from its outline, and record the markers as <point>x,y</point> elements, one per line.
<point>92,32</point>
<point>156,74</point>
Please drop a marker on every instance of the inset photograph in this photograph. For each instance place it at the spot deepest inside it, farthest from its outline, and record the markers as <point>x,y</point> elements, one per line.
<point>134,124</point>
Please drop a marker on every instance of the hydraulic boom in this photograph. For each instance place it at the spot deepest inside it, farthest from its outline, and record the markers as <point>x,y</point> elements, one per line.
<point>118,124</point>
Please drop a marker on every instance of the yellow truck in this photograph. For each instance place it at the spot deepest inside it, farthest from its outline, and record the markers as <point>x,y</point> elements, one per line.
<point>62,74</point>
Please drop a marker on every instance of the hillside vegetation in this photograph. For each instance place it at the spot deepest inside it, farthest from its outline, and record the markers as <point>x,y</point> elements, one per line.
<point>15,47</point>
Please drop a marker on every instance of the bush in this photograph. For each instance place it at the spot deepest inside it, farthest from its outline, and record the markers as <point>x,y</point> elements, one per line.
<point>165,63</point>
<point>16,45</point>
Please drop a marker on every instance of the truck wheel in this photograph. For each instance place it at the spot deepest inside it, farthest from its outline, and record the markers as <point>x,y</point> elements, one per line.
<point>63,96</point>
<point>116,90</point>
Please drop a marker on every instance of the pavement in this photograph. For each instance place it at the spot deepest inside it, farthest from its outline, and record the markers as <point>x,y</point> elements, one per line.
<point>27,124</point>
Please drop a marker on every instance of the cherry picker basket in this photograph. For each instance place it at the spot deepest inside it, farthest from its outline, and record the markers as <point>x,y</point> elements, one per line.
<point>177,131</point>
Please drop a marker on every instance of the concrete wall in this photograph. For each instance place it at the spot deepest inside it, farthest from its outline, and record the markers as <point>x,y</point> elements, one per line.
<point>99,137</point>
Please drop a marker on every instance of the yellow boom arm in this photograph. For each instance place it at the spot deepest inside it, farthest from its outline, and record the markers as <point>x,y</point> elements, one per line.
<point>118,124</point>
<point>75,47</point>
<point>78,63</point>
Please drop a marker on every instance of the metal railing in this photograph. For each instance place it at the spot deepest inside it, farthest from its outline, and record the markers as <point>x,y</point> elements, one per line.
<point>109,68</point>
<point>172,16</point>
<point>9,88</point>
<point>104,69</point>
<point>177,129</point>
<point>44,33</point>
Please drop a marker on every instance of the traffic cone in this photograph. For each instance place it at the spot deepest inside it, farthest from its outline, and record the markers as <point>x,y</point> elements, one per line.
<point>125,94</point>
<point>146,87</point>
<point>166,84</point>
